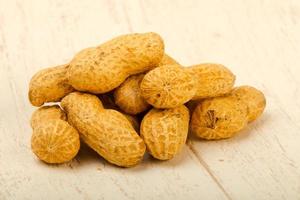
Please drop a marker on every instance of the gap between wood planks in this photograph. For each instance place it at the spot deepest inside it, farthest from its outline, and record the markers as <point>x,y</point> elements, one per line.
<point>206,167</point>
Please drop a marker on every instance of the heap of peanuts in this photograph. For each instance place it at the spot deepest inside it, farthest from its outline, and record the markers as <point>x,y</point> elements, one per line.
<point>127,95</point>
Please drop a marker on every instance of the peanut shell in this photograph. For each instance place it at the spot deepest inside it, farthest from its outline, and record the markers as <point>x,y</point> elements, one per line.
<point>49,85</point>
<point>103,68</point>
<point>165,131</point>
<point>128,96</point>
<point>212,80</point>
<point>218,118</point>
<point>55,141</point>
<point>106,131</point>
<point>253,98</point>
<point>168,86</point>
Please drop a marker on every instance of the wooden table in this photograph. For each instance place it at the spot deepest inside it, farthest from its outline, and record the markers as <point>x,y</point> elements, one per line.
<point>259,40</point>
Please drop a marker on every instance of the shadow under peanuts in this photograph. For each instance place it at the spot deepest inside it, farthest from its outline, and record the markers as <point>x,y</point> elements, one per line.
<point>87,155</point>
<point>149,162</point>
<point>89,159</point>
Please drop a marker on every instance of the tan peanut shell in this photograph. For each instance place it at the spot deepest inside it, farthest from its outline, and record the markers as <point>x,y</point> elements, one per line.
<point>49,85</point>
<point>165,131</point>
<point>168,86</point>
<point>106,131</point>
<point>53,139</point>
<point>128,96</point>
<point>253,98</point>
<point>211,80</point>
<point>103,68</point>
<point>218,118</point>
<point>46,113</point>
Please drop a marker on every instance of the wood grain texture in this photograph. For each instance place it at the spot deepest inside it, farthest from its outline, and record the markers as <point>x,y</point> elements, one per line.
<point>258,40</point>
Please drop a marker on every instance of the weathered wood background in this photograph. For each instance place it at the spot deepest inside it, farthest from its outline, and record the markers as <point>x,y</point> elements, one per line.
<point>259,40</point>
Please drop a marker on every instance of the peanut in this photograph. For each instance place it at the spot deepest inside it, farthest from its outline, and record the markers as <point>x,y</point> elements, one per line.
<point>49,85</point>
<point>168,86</point>
<point>106,131</point>
<point>165,131</point>
<point>218,118</point>
<point>212,80</point>
<point>253,98</point>
<point>53,139</point>
<point>103,68</point>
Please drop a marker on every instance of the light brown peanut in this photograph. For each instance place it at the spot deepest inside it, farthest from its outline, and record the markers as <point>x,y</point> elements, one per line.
<point>165,131</point>
<point>218,118</point>
<point>212,80</point>
<point>168,86</point>
<point>53,139</point>
<point>103,68</point>
<point>49,85</point>
<point>253,98</point>
<point>106,131</point>
<point>128,96</point>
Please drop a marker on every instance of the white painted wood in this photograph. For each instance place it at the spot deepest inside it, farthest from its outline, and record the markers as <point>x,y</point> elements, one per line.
<point>259,40</point>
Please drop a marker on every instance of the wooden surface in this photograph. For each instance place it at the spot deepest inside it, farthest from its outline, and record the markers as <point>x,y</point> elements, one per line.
<point>259,40</point>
